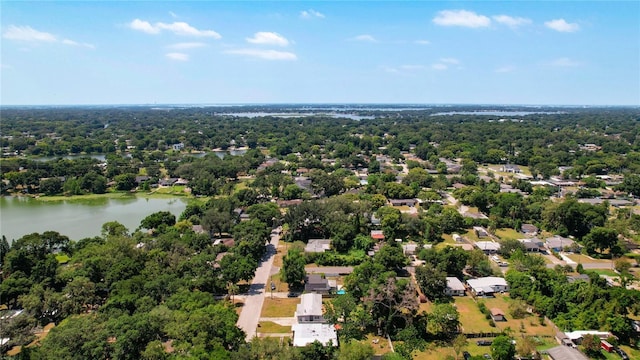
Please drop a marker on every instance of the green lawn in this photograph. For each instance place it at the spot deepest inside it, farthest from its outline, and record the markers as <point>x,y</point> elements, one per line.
<point>530,325</point>
<point>606,272</point>
<point>508,234</point>
<point>278,307</point>
<point>471,319</point>
<point>62,258</point>
<point>271,328</point>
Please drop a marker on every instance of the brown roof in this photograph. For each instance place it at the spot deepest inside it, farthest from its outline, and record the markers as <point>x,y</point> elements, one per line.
<point>496,312</point>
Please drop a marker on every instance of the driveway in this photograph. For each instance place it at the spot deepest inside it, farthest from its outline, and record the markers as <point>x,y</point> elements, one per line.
<point>248,320</point>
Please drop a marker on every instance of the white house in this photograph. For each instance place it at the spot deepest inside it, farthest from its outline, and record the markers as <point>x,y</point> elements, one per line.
<point>317,245</point>
<point>487,286</point>
<point>310,309</point>
<point>455,287</point>
<point>488,247</point>
<point>311,324</point>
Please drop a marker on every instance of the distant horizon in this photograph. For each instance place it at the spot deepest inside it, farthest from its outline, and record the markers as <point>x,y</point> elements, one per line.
<point>239,104</point>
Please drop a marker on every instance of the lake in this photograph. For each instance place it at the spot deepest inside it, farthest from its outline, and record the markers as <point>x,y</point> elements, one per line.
<point>78,219</point>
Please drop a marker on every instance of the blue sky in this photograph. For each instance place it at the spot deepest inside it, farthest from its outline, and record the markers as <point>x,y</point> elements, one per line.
<point>460,52</point>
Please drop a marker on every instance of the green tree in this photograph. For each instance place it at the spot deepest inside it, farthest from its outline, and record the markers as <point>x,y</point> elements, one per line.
<point>355,350</point>
<point>293,272</point>
<point>502,348</point>
<point>444,321</point>
<point>125,182</point>
<point>432,281</point>
<point>458,343</point>
<point>156,219</point>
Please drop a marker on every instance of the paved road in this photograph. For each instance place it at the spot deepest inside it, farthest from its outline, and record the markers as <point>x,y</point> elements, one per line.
<point>248,320</point>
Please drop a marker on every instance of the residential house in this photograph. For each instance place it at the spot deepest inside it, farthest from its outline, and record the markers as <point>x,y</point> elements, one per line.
<point>563,339</point>
<point>576,336</point>
<point>565,353</point>
<point>317,245</point>
<point>529,229</point>
<point>488,247</point>
<point>510,168</point>
<point>532,245</point>
<point>488,286</point>
<point>377,235</point>
<point>579,277</point>
<point>310,309</point>
<point>316,283</point>
<point>480,231</point>
<point>559,243</point>
<point>455,287</point>
<point>403,202</point>
<point>409,249</point>
<point>311,325</point>
<point>178,146</point>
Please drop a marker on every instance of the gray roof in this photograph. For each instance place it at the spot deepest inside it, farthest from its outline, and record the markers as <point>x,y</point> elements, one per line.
<point>318,245</point>
<point>566,353</point>
<point>455,284</point>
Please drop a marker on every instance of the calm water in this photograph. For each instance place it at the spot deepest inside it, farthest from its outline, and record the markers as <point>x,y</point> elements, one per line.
<point>78,218</point>
<point>496,113</point>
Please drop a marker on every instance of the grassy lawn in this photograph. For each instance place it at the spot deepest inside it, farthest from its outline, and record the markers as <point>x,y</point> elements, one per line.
<point>278,307</point>
<point>606,272</point>
<point>471,235</point>
<point>271,327</point>
<point>529,325</point>
<point>579,258</point>
<point>172,190</point>
<point>380,344</point>
<point>508,234</point>
<point>280,285</point>
<point>62,258</point>
<point>471,319</point>
<point>112,195</point>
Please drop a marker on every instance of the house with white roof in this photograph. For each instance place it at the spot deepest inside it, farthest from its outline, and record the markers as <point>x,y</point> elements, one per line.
<point>455,287</point>
<point>311,325</point>
<point>317,245</point>
<point>487,286</point>
<point>488,247</point>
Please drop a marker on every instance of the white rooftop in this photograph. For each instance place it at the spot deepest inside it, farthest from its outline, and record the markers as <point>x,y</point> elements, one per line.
<point>488,281</point>
<point>574,335</point>
<point>488,245</point>
<point>304,334</point>
<point>310,304</point>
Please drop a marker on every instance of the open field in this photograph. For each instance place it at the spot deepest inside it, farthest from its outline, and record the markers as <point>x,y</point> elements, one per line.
<point>529,325</point>
<point>471,319</point>
<point>117,195</point>
<point>278,307</point>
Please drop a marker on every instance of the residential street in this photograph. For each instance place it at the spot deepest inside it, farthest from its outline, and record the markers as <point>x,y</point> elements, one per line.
<point>248,320</point>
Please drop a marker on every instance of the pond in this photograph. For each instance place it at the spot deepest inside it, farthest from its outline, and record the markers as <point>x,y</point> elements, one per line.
<point>78,219</point>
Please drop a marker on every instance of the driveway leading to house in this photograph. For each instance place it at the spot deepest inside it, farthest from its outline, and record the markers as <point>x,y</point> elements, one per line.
<point>254,299</point>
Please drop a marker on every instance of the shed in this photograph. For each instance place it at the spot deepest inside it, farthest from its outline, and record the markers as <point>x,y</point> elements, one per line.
<point>497,314</point>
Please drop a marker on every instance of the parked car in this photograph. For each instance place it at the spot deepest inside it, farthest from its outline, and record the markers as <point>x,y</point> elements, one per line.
<point>622,353</point>
<point>466,355</point>
<point>484,342</point>
<point>487,356</point>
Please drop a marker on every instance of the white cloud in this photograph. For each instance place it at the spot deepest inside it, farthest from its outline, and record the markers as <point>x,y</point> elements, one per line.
<point>179,28</point>
<point>564,62</point>
<point>412,67</point>
<point>186,45</point>
<point>461,18</point>
<point>439,66</point>
<point>264,54</point>
<point>308,14</point>
<point>451,61</point>
<point>422,42</point>
<point>75,43</point>
<point>505,69</point>
<point>364,38</point>
<point>562,26</point>
<point>268,38</point>
<point>27,33</point>
<point>177,56</point>
<point>144,26</point>
<point>512,22</point>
